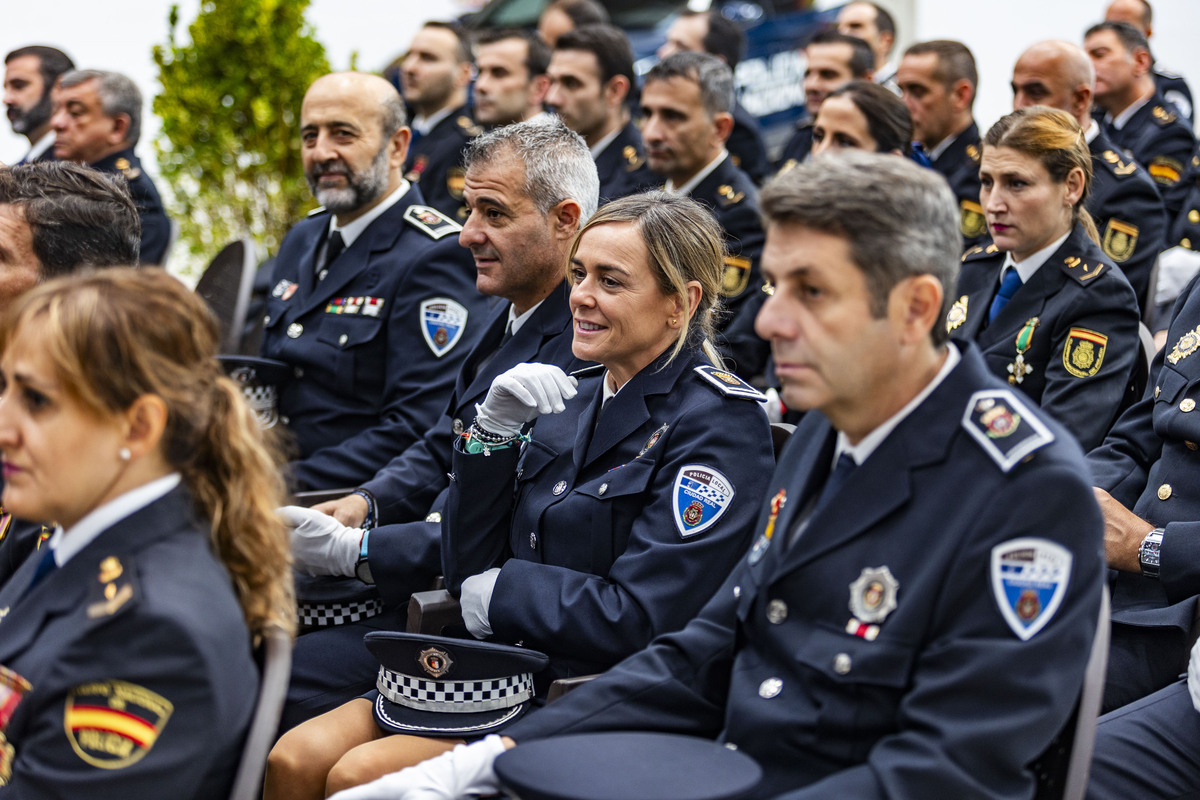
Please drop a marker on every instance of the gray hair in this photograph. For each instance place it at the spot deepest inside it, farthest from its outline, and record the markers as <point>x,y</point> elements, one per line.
<point>392,115</point>
<point>713,75</point>
<point>898,219</point>
<point>558,164</point>
<point>118,95</point>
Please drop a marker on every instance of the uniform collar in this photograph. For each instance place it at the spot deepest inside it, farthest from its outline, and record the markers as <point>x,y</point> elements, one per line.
<point>606,141</point>
<point>67,544</point>
<point>1027,268</point>
<point>691,185</point>
<point>40,146</point>
<point>1121,119</point>
<point>424,125</point>
<point>353,230</point>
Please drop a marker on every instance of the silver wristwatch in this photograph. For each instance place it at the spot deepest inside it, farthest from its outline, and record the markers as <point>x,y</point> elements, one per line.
<point>1150,552</point>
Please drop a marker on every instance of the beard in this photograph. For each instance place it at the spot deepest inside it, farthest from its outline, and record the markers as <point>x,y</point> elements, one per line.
<point>25,121</point>
<point>364,187</point>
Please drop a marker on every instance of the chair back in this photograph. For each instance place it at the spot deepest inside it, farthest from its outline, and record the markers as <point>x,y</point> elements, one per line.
<point>226,286</point>
<point>276,654</point>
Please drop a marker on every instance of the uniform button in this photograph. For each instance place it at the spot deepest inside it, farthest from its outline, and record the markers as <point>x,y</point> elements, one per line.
<point>532,540</point>
<point>285,420</point>
<point>730,746</point>
<point>737,591</point>
<point>1191,445</point>
<point>321,275</point>
<point>1187,404</point>
<point>433,516</point>
<point>343,339</point>
<point>267,320</point>
<point>1187,243</point>
<point>298,372</point>
<point>841,663</point>
<point>559,488</point>
<point>457,427</point>
<point>603,489</point>
<point>1157,390</point>
<point>295,330</point>
<point>1194,216</point>
<point>1164,491</point>
<point>777,611</point>
<point>770,688</point>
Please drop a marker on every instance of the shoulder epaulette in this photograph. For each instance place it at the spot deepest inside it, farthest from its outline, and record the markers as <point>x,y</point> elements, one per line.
<point>729,384</point>
<point>468,126</point>
<point>980,252</point>
<point>1004,427</point>
<point>1118,166</point>
<point>315,211</point>
<point>973,153</point>
<point>112,591</point>
<point>1163,116</point>
<point>430,221</point>
<point>727,196</point>
<point>1084,272</point>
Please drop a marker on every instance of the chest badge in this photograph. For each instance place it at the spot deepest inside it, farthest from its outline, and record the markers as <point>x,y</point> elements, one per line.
<point>1029,580</point>
<point>653,440</point>
<point>872,597</point>
<point>958,314</point>
<point>764,540</point>
<point>285,289</point>
<point>700,498</point>
<point>1018,369</point>
<point>1187,344</point>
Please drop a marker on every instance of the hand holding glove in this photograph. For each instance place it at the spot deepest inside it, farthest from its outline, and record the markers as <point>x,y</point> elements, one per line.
<point>320,544</point>
<point>467,769</point>
<point>522,394</point>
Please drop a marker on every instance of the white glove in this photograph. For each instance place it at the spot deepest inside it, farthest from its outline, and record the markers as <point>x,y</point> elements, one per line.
<point>521,395</point>
<point>475,599</point>
<point>1194,675</point>
<point>467,769</point>
<point>1176,267</point>
<point>320,544</point>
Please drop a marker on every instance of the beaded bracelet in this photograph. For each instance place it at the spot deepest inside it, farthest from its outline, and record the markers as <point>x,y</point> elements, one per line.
<point>477,440</point>
<point>369,520</point>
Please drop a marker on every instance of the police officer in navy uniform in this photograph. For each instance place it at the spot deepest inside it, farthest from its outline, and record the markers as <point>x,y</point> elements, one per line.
<point>29,76</point>
<point>1171,85</point>
<point>938,80</point>
<point>373,302</point>
<point>1135,115</point>
<point>628,505</point>
<point>402,504</point>
<point>685,143</point>
<point>434,75</point>
<point>97,121</point>
<point>896,630</point>
<point>1052,314</point>
<point>1123,200</point>
<point>711,32</point>
<point>591,78</point>
<point>832,60</point>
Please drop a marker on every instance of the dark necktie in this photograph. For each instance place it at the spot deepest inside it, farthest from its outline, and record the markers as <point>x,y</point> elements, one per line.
<point>333,248</point>
<point>845,465</point>
<point>1008,287</point>
<point>44,568</point>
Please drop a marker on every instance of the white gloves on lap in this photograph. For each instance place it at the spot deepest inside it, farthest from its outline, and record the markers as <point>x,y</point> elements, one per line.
<point>467,769</point>
<point>320,544</point>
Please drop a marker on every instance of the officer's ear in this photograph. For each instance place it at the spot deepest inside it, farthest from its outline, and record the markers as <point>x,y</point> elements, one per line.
<point>961,94</point>
<point>565,218</point>
<point>119,133</point>
<point>1081,99</point>
<point>616,91</point>
<point>916,304</point>
<point>144,422</point>
<point>398,147</point>
<point>723,124</point>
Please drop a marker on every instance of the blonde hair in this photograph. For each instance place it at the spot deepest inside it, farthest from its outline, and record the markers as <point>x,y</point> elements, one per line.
<point>119,334</point>
<point>685,244</point>
<point>1055,139</point>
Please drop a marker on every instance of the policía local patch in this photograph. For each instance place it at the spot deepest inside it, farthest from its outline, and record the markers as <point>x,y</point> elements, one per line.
<point>112,724</point>
<point>1029,579</point>
<point>442,324</point>
<point>700,497</point>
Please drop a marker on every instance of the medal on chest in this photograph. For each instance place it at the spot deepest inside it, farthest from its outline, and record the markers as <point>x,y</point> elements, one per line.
<point>1018,369</point>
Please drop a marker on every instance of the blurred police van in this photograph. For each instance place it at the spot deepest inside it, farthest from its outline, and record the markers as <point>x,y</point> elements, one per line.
<point>770,76</point>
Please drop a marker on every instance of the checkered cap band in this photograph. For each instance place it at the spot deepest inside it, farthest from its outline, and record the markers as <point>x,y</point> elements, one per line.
<point>456,697</point>
<point>324,615</point>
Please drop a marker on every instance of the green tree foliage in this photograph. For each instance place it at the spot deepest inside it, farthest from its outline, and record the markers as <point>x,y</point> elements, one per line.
<point>229,152</point>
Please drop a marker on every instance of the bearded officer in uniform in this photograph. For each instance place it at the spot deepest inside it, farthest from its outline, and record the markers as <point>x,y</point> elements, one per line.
<point>896,630</point>
<point>373,303</point>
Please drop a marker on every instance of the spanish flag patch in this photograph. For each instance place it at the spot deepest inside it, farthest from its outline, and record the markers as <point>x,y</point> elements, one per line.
<point>112,724</point>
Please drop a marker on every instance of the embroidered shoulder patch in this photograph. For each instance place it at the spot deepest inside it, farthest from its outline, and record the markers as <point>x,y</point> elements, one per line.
<point>430,221</point>
<point>1083,352</point>
<point>729,384</point>
<point>700,498</point>
<point>112,724</point>
<point>1120,240</point>
<point>1004,427</point>
<point>442,324</point>
<point>736,276</point>
<point>1029,578</point>
<point>971,219</point>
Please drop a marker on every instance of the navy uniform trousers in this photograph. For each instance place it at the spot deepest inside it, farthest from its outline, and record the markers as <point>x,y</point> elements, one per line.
<point>376,345</point>
<point>623,520</point>
<point>142,677</point>
<point>1148,463</point>
<point>941,698</point>
<point>332,665</point>
<point>1080,354</point>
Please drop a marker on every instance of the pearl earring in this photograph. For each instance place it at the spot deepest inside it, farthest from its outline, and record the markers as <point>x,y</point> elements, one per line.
<point>124,454</point>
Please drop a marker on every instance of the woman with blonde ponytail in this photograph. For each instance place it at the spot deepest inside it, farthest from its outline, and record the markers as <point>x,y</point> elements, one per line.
<point>126,640</point>
<point>1053,314</point>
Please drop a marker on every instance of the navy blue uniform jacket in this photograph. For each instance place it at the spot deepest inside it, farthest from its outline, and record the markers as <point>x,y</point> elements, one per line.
<point>959,165</point>
<point>1152,446</point>
<point>622,166</point>
<point>1161,142</point>
<point>140,663</point>
<point>156,228</point>
<point>364,343</point>
<point>594,560</point>
<point>1129,215</point>
<point>946,701</point>
<point>746,146</point>
<point>434,162</point>
<point>1084,348</point>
